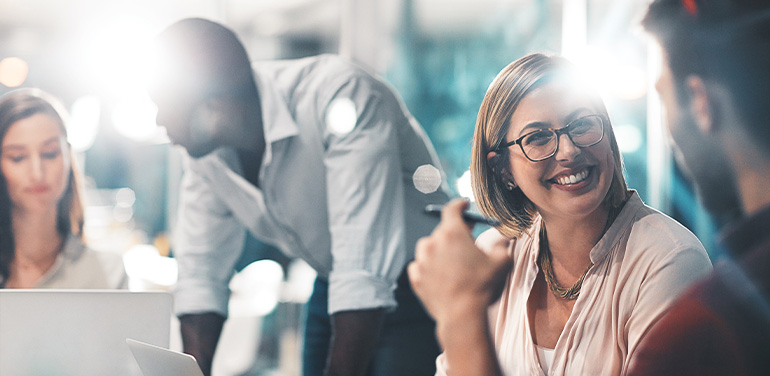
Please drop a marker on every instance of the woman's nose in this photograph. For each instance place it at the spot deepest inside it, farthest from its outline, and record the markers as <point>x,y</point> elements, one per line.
<point>37,168</point>
<point>567,149</point>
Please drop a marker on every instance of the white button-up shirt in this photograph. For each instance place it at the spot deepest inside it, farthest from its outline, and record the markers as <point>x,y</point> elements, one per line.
<point>344,203</point>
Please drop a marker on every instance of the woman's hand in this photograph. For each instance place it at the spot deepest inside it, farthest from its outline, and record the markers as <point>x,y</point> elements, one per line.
<point>453,278</point>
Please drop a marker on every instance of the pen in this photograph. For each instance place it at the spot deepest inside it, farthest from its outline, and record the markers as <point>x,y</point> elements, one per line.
<point>435,210</point>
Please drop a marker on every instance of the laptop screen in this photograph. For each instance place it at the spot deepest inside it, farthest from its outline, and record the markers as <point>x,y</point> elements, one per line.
<point>159,361</point>
<point>78,332</point>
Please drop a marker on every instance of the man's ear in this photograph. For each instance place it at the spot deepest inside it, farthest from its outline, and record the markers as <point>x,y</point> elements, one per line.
<point>701,104</point>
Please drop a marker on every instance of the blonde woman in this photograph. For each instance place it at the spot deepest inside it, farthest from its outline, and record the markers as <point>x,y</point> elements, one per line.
<point>583,265</point>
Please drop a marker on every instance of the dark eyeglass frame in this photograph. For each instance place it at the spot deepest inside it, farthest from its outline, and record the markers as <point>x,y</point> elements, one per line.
<point>558,131</point>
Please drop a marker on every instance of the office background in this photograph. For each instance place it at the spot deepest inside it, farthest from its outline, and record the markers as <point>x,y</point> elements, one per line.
<point>439,54</point>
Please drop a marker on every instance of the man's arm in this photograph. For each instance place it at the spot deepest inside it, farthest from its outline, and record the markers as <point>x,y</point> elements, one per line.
<point>200,334</point>
<point>366,201</point>
<point>208,240</point>
<point>354,336</point>
<point>372,216</point>
<point>456,283</point>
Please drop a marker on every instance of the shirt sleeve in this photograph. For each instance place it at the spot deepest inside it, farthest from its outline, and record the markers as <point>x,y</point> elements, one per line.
<point>366,196</point>
<point>207,242</point>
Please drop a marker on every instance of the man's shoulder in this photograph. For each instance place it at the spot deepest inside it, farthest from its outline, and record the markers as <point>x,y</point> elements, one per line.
<point>318,66</point>
<point>318,77</point>
<point>718,326</point>
<point>735,297</point>
<point>742,284</point>
<point>689,339</point>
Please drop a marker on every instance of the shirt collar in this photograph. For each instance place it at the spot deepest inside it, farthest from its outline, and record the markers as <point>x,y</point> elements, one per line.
<point>277,121</point>
<point>276,118</point>
<point>610,237</point>
<point>746,233</point>
<point>617,228</point>
<point>71,251</point>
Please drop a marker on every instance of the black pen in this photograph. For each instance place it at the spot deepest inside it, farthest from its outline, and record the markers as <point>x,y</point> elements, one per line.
<point>470,217</point>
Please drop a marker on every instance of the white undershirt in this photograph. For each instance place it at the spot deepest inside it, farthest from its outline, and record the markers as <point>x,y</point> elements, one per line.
<point>546,358</point>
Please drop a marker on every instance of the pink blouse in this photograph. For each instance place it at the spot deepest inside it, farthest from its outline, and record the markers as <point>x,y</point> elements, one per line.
<point>643,261</point>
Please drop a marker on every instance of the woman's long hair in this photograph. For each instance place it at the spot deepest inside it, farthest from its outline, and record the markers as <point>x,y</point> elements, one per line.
<point>18,105</point>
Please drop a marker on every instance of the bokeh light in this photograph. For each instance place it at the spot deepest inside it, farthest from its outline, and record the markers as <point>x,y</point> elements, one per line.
<point>125,197</point>
<point>255,289</point>
<point>629,138</point>
<point>464,187</point>
<point>148,270</point>
<point>134,118</point>
<point>13,71</point>
<point>612,76</point>
<point>84,122</point>
<point>118,55</point>
<point>427,178</point>
<point>341,116</point>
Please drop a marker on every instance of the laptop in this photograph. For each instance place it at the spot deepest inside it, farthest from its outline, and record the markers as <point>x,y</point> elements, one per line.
<point>158,361</point>
<point>78,332</point>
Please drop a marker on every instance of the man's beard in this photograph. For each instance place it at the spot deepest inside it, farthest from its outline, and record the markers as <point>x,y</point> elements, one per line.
<point>704,163</point>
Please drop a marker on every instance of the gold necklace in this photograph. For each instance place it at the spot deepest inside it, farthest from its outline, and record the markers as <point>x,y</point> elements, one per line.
<point>544,259</point>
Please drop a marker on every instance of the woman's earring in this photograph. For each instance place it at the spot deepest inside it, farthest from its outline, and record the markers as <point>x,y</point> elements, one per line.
<point>510,185</point>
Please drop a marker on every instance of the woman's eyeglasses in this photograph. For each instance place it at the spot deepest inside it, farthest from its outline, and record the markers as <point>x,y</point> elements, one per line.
<point>542,144</point>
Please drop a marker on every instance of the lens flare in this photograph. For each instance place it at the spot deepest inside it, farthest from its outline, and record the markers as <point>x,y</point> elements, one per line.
<point>427,178</point>
<point>341,116</point>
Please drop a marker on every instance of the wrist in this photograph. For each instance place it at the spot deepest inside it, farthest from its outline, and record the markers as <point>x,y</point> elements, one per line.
<point>468,346</point>
<point>462,322</point>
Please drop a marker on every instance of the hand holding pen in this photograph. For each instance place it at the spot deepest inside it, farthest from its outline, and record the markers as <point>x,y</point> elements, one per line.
<point>451,275</point>
<point>470,217</point>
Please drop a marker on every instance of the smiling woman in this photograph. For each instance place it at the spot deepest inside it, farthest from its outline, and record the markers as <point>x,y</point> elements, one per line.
<point>545,158</point>
<point>41,216</point>
<point>534,96</point>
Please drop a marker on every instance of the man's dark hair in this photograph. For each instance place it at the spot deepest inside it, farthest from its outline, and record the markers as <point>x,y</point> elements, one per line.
<point>201,57</point>
<point>723,41</point>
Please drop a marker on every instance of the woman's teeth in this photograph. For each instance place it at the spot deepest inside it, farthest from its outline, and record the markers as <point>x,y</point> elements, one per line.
<point>572,179</point>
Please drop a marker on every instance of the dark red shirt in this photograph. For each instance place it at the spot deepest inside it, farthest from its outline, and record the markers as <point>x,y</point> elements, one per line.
<point>721,326</point>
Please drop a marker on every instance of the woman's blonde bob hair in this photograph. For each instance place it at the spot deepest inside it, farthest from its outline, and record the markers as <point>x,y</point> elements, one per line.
<point>511,207</point>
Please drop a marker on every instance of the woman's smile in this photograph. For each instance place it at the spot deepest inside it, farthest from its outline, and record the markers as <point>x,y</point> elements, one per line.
<point>573,179</point>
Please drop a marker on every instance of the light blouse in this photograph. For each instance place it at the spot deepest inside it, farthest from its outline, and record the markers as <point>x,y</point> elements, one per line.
<point>79,267</point>
<point>643,261</point>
